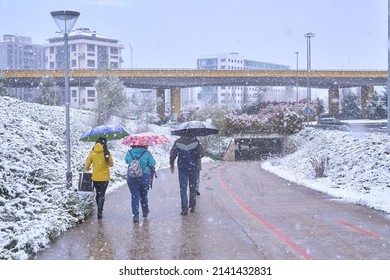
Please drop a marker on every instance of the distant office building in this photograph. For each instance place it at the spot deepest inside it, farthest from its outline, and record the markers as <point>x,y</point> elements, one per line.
<point>234,97</point>
<point>87,50</point>
<point>19,53</point>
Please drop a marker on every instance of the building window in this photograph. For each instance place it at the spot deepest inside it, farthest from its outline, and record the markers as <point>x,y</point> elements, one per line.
<point>51,50</point>
<point>90,48</point>
<point>91,99</point>
<point>114,50</point>
<point>90,93</point>
<point>52,65</point>
<point>74,93</point>
<point>74,63</point>
<point>90,63</point>
<point>114,65</point>
<point>73,47</point>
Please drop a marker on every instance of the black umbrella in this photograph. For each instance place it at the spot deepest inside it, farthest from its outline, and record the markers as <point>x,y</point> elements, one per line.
<point>195,128</point>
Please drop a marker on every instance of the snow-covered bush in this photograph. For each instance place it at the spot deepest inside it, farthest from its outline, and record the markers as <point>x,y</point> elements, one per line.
<point>320,164</point>
<point>275,118</point>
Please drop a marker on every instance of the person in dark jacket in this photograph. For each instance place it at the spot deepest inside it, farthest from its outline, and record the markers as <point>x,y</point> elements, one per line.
<point>139,187</point>
<point>101,160</point>
<point>188,151</point>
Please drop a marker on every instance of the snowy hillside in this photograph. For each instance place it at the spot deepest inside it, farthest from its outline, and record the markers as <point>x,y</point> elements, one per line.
<point>358,170</point>
<point>35,206</point>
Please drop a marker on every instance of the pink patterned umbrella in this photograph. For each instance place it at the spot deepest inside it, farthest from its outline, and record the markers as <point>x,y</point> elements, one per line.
<point>145,139</point>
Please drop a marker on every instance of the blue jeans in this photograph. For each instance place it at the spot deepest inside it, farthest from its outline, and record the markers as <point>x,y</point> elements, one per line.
<point>139,192</point>
<point>188,178</point>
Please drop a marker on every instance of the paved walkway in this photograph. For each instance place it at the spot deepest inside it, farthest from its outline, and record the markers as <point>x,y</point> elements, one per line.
<point>243,212</point>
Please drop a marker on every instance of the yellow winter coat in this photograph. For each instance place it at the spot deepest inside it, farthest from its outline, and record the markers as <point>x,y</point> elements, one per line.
<point>100,171</point>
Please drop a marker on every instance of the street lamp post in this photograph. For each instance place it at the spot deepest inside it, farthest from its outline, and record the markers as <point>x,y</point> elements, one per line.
<point>297,53</point>
<point>388,67</point>
<point>65,21</point>
<point>131,55</point>
<point>308,37</point>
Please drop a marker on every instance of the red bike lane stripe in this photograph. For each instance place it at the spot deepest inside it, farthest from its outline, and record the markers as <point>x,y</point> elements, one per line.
<point>358,229</point>
<point>263,221</point>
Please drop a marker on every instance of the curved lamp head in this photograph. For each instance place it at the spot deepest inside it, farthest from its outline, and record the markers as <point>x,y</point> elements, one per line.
<point>65,20</point>
<point>310,35</point>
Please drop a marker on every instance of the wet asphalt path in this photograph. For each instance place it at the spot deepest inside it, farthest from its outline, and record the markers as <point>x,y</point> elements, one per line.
<point>243,212</point>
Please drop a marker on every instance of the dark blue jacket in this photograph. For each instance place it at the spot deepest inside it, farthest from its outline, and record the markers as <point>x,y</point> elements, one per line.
<point>188,152</point>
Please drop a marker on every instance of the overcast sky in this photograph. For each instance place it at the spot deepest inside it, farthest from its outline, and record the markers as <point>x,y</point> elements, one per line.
<point>349,34</point>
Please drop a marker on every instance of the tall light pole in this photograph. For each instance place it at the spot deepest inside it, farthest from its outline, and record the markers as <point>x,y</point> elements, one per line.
<point>131,57</point>
<point>297,53</point>
<point>388,67</point>
<point>65,21</point>
<point>308,37</point>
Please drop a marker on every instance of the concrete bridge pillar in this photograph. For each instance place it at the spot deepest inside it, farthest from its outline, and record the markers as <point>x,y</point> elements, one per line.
<point>333,100</point>
<point>366,95</point>
<point>175,103</point>
<point>161,102</point>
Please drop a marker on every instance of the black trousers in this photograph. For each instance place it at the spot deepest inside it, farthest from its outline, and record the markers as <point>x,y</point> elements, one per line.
<point>100,187</point>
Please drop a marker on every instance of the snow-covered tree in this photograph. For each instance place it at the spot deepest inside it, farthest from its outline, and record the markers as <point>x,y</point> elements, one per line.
<point>377,107</point>
<point>3,88</point>
<point>288,94</point>
<point>112,100</point>
<point>259,95</point>
<point>214,112</point>
<point>48,92</point>
<point>320,105</point>
<point>350,105</point>
<point>145,110</point>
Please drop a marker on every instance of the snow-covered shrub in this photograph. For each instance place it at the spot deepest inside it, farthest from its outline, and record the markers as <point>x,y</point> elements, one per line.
<point>274,118</point>
<point>320,164</point>
<point>287,121</point>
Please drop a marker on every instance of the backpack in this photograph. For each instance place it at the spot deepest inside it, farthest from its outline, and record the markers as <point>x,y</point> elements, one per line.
<point>135,169</point>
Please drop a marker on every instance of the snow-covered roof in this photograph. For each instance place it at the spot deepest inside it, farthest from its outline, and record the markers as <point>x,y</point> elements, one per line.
<point>83,33</point>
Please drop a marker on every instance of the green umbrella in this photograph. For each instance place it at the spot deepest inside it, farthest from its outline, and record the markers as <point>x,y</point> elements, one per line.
<point>110,132</point>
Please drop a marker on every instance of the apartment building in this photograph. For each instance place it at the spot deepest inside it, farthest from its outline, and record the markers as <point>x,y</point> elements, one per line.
<point>19,53</point>
<point>87,50</point>
<point>233,97</point>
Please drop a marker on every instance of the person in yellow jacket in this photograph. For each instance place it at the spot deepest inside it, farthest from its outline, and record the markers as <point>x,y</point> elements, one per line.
<point>101,160</point>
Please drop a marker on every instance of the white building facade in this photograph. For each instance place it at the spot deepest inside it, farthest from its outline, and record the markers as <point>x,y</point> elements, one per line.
<point>233,97</point>
<point>87,50</point>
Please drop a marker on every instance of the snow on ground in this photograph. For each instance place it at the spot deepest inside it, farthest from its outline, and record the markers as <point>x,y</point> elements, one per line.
<point>36,207</point>
<point>358,169</point>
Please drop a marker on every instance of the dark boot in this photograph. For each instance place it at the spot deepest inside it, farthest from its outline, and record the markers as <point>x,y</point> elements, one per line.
<point>100,203</point>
